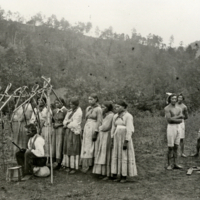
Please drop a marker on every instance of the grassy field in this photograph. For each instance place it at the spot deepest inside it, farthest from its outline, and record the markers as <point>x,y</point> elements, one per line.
<point>153,180</point>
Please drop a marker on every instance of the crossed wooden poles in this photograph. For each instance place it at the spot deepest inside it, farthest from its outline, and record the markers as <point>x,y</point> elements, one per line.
<point>22,92</point>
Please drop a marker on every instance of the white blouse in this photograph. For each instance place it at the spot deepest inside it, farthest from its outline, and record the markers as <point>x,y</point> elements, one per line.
<point>126,120</point>
<point>74,123</point>
<point>26,110</point>
<point>39,145</point>
<point>42,115</point>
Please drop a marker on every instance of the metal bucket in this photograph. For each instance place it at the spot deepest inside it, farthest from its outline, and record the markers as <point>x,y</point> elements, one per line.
<point>14,174</point>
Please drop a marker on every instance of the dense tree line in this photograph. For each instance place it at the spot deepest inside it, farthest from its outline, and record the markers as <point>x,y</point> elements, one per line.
<point>136,68</point>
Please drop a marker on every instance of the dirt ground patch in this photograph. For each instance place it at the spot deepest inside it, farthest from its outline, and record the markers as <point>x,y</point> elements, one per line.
<point>153,180</point>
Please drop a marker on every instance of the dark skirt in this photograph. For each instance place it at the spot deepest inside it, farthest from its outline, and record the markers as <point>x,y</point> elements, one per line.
<point>57,144</point>
<point>72,143</point>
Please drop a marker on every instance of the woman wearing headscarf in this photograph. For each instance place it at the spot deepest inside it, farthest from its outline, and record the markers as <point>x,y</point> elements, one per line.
<point>123,156</point>
<point>102,162</point>
<point>72,138</point>
<point>59,114</point>
<point>90,134</point>
<point>39,117</point>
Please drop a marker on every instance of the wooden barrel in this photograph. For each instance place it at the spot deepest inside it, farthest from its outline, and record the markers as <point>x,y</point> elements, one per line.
<point>14,173</point>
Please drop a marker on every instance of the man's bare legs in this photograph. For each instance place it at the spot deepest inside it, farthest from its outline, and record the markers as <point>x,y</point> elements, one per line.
<point>182,143</point>
<point>173,153</point>
<point>176,166</point>
<point>169,157</point>
<point>197,149</point>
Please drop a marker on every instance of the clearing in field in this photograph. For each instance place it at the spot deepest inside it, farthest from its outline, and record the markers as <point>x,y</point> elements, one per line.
<point>153,180</point>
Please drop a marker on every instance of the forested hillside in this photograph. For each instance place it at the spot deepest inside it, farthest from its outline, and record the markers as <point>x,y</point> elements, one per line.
<point>137,68</point>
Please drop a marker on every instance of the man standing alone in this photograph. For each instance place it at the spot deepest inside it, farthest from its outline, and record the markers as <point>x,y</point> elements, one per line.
<point>174,117</point>
<point>184,110</point>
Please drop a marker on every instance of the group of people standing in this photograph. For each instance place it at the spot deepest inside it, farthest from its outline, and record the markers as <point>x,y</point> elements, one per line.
<point>103,143</point>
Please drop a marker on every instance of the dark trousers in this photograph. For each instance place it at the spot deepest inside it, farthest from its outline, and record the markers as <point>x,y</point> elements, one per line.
<point>28,160</point>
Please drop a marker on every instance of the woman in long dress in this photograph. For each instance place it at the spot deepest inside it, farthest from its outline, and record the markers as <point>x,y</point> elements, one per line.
<point>102,164</point>
<point>20,119</point>
<point>90,134</point>
<point>72,138</point>
<point>59,114</point>
<point>123,156</point>
<point>39,117</point>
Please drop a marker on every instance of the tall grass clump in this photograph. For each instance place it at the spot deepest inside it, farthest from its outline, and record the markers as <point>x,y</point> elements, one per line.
<point>150,133</point>
<point>6,146</point>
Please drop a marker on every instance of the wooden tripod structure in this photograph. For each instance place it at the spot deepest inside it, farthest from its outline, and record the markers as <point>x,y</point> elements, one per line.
<point>47,88</point>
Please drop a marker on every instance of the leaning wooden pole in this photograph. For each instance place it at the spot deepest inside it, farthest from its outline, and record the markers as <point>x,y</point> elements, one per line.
<point>48,84</point>
<point>3,138</point>
<point>49,128</point>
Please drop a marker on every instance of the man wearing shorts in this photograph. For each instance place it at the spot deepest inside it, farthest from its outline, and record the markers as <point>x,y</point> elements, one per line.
<point>174,117</point>
<point>184,110</point>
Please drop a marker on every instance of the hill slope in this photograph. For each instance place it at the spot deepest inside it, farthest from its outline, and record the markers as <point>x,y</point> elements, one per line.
<point>138,69</point>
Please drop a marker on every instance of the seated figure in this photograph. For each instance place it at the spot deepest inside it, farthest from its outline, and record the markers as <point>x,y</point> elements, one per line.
<point>34,155</point>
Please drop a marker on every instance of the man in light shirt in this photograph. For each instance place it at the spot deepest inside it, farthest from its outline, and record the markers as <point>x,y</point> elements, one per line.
<point>34,155</point>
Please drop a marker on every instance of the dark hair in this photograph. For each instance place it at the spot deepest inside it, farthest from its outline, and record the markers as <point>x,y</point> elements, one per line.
<point>169,98</point>
<point>43,99</point>
<point>181,95</point>
<point>74,101</point>
<point>61,100</point>
<point>32,127</point>
<point>53,106</point>
<point>94,96</point>
<point>122,103</point>
<point>108,105</point>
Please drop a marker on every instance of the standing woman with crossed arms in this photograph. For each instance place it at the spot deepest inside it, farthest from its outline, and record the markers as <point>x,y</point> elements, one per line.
<point>72,138</point>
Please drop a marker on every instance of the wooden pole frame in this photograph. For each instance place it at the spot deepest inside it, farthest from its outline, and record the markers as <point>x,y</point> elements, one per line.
<point>49,128</point>
<point>9,98</point>
<point>49,89</point>
<point>32,95</point>
<point>16,96</point>
<point>6,91</point>
<point>48,83</point>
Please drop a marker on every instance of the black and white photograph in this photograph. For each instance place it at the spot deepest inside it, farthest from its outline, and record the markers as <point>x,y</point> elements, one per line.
<point>99,99</point>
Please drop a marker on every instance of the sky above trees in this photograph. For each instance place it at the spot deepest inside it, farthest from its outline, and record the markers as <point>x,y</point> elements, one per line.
<point>180,18</point>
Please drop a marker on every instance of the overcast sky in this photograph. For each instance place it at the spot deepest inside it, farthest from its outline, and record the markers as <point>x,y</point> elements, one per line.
<point>180,18</point>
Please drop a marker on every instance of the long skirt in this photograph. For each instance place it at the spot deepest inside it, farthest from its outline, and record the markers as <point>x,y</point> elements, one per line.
<point>88,146</point>
<point>71,149</point>
<point>57,144</point>
<point>19,136</point>
<point>123,161</point>
<point>46,135</point>
<point>102,164</point>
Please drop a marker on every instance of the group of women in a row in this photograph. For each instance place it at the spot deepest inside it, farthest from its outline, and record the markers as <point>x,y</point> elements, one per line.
<point>104,144</point>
